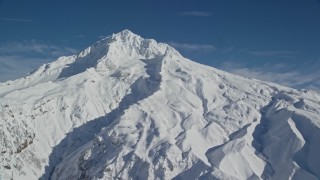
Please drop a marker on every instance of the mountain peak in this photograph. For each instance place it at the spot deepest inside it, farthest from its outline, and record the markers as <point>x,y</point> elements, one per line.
<point>132,108</point>
<point>127,43</point>
<point>117,48</point>
<point>126,33</point>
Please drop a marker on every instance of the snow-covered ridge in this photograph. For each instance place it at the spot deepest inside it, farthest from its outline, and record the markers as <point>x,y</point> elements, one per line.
<point>132,108</point>
<point>102,55</point>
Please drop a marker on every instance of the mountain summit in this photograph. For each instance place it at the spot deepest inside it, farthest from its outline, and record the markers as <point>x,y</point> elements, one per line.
<point>132,108</point>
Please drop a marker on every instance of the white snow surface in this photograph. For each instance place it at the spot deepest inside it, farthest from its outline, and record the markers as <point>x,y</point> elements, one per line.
<point>132,108</point>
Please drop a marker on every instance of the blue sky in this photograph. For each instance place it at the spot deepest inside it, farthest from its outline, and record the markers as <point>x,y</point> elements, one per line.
<point>274,40</point>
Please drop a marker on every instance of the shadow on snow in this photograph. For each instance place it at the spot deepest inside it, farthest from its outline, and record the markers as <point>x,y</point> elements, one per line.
<point>142,88</point>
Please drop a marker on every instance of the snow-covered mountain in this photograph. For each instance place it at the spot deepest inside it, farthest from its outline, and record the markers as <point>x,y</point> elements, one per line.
<point>132,108</point>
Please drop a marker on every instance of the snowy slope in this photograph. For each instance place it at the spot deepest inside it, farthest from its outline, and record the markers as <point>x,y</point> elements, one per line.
<point>132,108</point>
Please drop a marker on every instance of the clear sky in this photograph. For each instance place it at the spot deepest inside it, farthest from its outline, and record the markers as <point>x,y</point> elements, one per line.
<point>274,40</point>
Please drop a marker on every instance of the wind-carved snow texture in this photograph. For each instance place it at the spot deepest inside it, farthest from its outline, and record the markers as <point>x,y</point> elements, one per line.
<point>303,131</point>
<point>132,108</point>
<point>258,143</point>
<point>86,59</point>
<point>142,88</point>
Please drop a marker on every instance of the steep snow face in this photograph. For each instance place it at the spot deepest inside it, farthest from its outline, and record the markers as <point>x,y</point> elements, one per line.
<point>132,108</point>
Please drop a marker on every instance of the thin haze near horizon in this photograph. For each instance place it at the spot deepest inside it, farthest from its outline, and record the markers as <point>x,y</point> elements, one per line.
<point>270,40</point>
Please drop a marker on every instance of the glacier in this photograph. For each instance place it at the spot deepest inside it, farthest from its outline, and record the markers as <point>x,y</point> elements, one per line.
<point>132,108</point>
